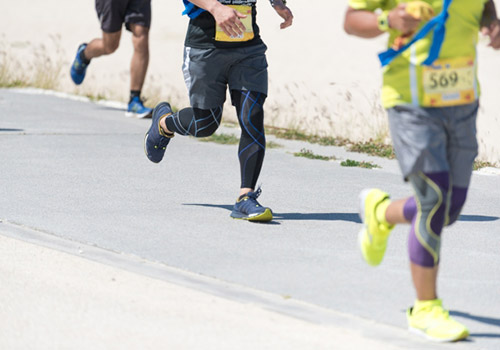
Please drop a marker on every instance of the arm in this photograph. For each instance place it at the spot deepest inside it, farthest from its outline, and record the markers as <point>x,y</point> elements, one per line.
<point>282,10</point>
<point>490,24</point>
<point>364,23</point>
<point>361,23</point>
<point>227,18</point>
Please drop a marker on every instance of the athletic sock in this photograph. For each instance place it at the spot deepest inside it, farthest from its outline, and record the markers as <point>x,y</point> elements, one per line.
<point>83,58</point>
<point>162,132</point>
<point>380,212</point>
<point>134,93</point>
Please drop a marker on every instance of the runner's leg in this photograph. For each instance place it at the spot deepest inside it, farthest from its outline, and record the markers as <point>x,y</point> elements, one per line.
<point>249,108</point>
<point>140,57</point>
<point>193,121</point>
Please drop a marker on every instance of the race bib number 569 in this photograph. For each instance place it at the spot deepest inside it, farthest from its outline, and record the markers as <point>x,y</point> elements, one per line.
<point>449,82</point>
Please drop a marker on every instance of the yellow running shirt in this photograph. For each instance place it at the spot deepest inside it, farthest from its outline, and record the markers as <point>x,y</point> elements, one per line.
<point>453,78</point>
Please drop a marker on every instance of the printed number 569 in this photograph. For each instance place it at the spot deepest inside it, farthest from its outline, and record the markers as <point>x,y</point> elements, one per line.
<point>443,80</point>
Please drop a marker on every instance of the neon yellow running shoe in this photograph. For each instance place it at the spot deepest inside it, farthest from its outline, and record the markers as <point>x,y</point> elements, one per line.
<point>374,234</point>
<point>429,319</point>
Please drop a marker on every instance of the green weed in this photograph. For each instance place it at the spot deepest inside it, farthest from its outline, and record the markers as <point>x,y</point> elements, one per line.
<point>478,164</point>
<point>306,153</point>
<point>373,148</point>
<point>272,144</point>
<point>355,163</point>
<point>293,134</point>
<point>227,139</point>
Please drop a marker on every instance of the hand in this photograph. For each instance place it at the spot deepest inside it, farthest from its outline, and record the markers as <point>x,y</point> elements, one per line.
<point>285,13</point>
<point>493,31</point>
<point>402,21</point>
<point>229,20</point>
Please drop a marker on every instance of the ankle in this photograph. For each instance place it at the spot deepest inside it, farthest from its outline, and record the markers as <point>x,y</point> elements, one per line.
<point>380,213</point>
<point>244,192</point>
<point>163,127</point>
<point>134,94</point>
<point>83,58</point>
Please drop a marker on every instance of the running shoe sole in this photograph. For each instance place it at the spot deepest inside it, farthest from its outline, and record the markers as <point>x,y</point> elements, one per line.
<point>267,215</point>
<point>422,333</point>
<point>362,199</point>
<point>139,115</point>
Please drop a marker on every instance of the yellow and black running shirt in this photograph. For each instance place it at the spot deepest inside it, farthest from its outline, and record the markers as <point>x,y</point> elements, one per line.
<point>202,31</point>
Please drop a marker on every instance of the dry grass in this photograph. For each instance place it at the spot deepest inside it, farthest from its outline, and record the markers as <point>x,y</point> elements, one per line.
<point>37,69</point>
<point>42,67</point>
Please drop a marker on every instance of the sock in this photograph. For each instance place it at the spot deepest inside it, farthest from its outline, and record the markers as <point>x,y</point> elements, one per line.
<point>134,93</point>
<point>162,132</point>
<point>380,212</point>
<point>83,58</point>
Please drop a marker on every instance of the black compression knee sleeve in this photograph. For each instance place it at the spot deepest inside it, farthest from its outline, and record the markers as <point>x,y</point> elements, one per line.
<point>249,107</point>
<point>194,121</point>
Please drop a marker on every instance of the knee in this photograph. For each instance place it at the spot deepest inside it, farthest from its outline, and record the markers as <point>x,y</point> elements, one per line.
<point>207,121</point>
<point>140,38</point>
<point>206,130</point>
<point>111,47</point>
<point>253,118</point>
<point>433,200</point>
<point>141,43</point>
<point>431,195</point>
<point>250,109</point>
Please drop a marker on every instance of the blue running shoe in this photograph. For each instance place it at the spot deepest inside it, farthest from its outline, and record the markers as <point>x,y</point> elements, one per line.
<point>247,208</point>
<point>136,109</point>
<point>79,68</point>
<point>156,140</point>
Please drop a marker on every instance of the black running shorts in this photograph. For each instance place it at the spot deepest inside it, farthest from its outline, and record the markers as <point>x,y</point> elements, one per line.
<point>113,13</point>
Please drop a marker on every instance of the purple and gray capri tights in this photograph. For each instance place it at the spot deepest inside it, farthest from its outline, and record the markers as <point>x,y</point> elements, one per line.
<point>435,204</point>
<point>436,148</point>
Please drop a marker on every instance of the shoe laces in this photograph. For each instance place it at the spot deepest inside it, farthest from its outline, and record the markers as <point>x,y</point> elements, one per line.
<point>439,312</point>
<point>436,311</point>
<point>257,192</point>
<point>79,65</point>
<point>137,101</point>
<point>254,195</point>
<point>163,142</point>
<point>251,197</point>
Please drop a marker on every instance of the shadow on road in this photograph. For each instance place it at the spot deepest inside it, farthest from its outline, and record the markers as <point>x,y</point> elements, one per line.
<point>477,218</point>
<point>482,319</point>
<point>10,130</point>
<point>351,217</point>
<point>487,320</point>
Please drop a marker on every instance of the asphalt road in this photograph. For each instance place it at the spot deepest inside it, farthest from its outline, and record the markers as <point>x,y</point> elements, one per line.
<point>76,171</point>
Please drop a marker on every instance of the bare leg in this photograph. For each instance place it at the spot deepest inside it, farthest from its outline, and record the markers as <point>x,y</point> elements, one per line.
<point>425,281</point>
<point>140,58</point>
<point>395,213</point>
<point>105,46</point>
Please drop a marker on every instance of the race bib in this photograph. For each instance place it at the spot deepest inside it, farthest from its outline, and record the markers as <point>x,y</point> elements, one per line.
<point>449,82</point>
<point>247,22</point>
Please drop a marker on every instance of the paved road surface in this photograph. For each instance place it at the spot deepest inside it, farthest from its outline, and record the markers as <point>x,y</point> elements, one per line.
<point>75,178</point>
